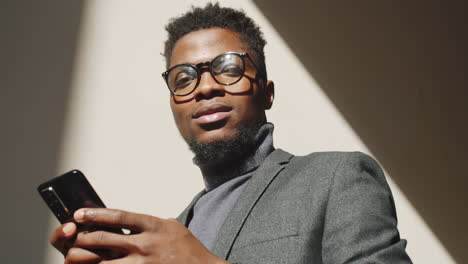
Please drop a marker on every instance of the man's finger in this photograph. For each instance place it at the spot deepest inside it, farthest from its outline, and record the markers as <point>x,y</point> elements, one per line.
<point>126,260</point>
<point>116,218</point>
<point>79,255</point>
<point>62,237</point>
<point>104,240</point>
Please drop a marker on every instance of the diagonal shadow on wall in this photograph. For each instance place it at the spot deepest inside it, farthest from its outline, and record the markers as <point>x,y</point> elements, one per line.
<point>396,70</point>
<point>38,48</point>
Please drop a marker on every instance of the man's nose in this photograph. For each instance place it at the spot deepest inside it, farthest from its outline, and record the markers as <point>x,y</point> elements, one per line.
<point>208,87</point>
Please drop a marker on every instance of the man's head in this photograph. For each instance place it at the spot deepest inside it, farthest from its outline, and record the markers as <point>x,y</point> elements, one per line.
<point>218,121</point>
<point>214,16</point>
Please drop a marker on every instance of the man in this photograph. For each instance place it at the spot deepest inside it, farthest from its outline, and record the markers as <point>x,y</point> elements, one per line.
<point>260,204</point>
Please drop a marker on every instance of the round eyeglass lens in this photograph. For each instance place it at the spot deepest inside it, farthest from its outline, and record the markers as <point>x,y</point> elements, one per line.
<point>182,79</point>
<point>228,69</point>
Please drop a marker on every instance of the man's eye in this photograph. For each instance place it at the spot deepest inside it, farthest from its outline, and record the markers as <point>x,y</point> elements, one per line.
<point>183,80</point>
<point>231,70</point>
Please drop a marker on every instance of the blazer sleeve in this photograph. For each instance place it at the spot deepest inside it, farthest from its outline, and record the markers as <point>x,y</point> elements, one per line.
<point>360,219</point>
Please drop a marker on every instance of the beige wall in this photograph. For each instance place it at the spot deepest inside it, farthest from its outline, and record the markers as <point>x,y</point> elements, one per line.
<point>118,127</point>
<point>37,47</point>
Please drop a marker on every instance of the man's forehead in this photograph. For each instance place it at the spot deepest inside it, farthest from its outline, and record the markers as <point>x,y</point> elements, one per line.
<point>205,44</point>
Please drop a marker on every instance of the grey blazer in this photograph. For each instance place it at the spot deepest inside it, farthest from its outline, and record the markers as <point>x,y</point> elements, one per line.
<point>328,207</point>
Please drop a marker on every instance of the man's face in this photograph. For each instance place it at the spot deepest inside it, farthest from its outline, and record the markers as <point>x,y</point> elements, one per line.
<point>214,112</point>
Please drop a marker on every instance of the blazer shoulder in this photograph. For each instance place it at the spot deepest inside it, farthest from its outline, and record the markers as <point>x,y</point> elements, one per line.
<point>337,155</point>
<point>333,160</point>
<point>330,167</point>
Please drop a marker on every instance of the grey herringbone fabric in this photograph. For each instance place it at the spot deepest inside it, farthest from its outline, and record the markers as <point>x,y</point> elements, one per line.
<point>329,207</point>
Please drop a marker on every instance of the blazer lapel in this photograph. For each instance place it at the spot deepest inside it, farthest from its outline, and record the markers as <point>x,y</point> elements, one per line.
<point>259,182</point>
<point>186,215</point>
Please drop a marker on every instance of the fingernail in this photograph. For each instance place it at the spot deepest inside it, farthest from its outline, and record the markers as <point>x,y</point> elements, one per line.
<point>68,229</point>
<point>79,215</point>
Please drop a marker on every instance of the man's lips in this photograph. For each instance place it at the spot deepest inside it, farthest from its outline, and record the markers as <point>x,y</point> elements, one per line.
<point>212,113</point>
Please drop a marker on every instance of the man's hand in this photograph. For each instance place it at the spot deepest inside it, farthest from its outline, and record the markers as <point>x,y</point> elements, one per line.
<point>152,240</point>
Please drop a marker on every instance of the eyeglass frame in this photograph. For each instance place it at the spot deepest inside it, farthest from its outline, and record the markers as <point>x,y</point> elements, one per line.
<point>199,69</point>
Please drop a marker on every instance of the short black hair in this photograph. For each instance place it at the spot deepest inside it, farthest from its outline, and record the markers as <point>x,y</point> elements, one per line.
<point>214,16</point>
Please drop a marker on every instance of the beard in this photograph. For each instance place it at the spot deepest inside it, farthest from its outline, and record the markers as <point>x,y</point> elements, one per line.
<point>225,150</point>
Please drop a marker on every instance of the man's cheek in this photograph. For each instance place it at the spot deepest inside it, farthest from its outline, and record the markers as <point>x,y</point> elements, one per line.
<point>186,127</point>
<point>178,121</point>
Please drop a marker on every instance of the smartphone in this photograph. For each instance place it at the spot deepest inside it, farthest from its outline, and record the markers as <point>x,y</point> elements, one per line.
<point>67,193</point>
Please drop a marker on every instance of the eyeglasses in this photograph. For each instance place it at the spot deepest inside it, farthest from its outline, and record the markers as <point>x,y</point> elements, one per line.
<point>226,69</point>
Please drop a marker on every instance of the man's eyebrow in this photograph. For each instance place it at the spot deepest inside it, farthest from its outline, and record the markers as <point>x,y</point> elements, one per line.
<point>184,62</point>
<point>180,63</point>
<point>191,63</point>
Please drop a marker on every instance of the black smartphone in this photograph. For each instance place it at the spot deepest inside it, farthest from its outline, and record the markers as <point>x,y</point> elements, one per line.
<point>67,193</point>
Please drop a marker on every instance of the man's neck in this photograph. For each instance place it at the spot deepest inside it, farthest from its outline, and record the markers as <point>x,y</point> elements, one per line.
<point>216,174</point>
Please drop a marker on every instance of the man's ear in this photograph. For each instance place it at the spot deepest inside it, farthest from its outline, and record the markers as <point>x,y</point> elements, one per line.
<point>269,94</point>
